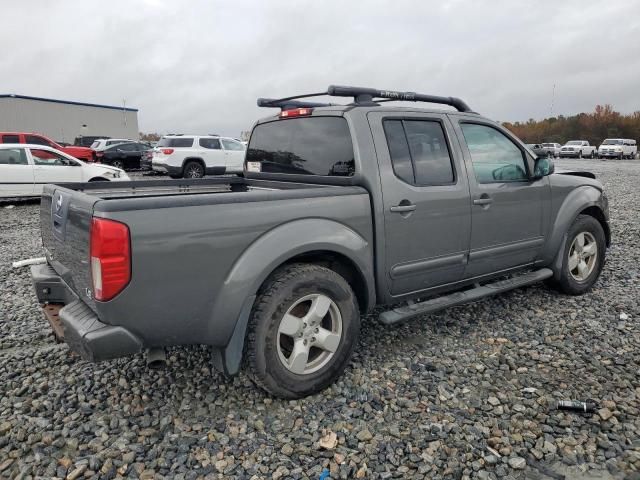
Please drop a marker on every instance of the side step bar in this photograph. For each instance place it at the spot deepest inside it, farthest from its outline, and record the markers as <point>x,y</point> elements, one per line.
<point>433,305</point>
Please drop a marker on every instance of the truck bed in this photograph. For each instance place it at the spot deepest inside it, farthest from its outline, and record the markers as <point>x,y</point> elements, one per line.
<point>186,236</point>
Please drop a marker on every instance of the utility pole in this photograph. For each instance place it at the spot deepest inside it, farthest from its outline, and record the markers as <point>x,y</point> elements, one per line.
<point>553,97</point>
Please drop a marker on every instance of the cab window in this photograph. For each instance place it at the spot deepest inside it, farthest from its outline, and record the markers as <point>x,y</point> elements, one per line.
<point>13,156</point>
<point>494,156</point>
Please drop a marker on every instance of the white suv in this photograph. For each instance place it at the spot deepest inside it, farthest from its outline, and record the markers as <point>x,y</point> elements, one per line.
<point>194,156</point>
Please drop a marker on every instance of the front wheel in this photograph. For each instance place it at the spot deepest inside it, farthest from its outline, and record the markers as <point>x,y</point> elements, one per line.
<point>302,330</point>
<point>118,164</point>
<point>580,154</point>
<point>583,256</point>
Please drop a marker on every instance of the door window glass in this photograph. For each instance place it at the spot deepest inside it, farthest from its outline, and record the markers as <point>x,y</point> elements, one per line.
<point>232,145</point>
<point>50,159</point>
<point>13,156</point>
<point>37,140</point>
<point>10,139</point>
<point>419,152</point>
<point>495,157</point>
<point>210,143</point>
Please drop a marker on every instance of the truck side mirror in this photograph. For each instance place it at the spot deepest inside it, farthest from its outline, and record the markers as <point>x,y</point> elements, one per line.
<point>544,166</point>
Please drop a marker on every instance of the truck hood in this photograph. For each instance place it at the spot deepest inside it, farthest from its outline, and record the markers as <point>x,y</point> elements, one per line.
<point>576,173</point>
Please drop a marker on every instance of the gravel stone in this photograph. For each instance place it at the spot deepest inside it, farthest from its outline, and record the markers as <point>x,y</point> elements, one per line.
<point>426,399</point>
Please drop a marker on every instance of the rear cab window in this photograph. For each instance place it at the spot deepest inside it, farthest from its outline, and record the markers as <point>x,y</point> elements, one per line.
<point>173,142</point>
<point>10,139</point>
<point>320,146</point>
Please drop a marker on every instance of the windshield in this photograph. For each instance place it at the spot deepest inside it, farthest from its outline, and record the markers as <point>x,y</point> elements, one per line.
<point>612,141</point>
<point>575,142</point>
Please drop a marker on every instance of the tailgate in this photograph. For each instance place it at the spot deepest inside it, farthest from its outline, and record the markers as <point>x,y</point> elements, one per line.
<point>65,223</point>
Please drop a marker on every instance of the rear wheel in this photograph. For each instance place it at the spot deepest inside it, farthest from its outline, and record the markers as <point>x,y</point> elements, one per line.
<point>302,331</point>
<point>118,164</point>
<point>583,256</point>
<point>193,169</point>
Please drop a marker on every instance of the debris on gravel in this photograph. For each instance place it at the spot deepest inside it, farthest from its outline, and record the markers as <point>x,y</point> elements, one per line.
<point>466,393</point>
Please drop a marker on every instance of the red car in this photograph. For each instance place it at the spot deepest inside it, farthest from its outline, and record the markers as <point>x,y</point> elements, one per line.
<point>81,153</point>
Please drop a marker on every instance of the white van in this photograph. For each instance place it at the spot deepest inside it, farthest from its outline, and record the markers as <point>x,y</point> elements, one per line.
<point>618,148</point>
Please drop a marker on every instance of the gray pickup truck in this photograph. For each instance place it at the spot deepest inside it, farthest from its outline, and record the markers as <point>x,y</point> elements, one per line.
<point>341,208</point>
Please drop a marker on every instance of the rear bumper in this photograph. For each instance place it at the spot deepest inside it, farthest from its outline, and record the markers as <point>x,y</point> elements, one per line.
<point>83,331</point>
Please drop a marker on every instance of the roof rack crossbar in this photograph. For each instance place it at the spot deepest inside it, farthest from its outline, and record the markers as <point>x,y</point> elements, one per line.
<point>362,96</point>
<point>285,104</point>
<point>372,93</point>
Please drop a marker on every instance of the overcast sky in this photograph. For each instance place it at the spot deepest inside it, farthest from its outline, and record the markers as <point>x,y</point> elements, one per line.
<point>199,66</point>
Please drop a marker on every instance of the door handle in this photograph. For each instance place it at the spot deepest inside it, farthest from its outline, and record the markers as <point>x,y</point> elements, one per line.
<point>483,200</point>
<point>403,208</point>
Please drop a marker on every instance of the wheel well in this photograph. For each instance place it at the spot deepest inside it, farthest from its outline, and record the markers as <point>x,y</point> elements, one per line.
<point>597,213</point>
<point>340,264</point>
<point>99,179</point>
<point>193,159</point>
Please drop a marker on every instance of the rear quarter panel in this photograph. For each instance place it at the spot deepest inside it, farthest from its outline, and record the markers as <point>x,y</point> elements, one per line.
<point>182,289</point>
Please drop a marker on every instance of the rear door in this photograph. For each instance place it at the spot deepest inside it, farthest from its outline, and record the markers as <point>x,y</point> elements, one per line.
<point>426,200</point>
<point>233,154</point>
<point>212,152</point>
<point>51,167</point>
<point>508,208</point>
<point>16,173</point>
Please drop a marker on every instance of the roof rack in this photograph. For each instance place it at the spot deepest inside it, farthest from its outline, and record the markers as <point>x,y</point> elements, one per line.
<point>363,97</point>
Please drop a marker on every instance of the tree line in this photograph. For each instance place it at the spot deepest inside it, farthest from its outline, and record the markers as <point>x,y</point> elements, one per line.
<point>603,122</point>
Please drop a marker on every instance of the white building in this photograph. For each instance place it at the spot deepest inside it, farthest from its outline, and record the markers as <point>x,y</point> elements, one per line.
<point>63,120</point>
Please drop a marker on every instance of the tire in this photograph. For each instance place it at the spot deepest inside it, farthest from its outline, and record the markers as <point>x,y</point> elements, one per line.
<point>580,154</point>
<point>118,164</point>
<point>291,293</point>
<point>193,169</point>
<point>592,231</point>
<point>593,154</point>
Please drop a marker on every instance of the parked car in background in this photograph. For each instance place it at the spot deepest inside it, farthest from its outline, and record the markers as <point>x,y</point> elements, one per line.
<point>578,149</point>
<point>552,149</point>
<point>123,155</point>
<point>25,169</point>
<point>618,148</point>
<point>537,149</point>
<point>88,141</point>
<point>81,153</point>
<point>341,208</point>
<point>102,143</point>
<point>194,156</point>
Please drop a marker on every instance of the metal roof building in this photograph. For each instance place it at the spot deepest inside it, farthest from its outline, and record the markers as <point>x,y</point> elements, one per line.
<point>64,120</point>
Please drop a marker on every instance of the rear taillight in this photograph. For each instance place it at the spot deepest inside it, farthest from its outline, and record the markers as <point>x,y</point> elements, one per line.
<point>110,255</point>
<point>167,151</point>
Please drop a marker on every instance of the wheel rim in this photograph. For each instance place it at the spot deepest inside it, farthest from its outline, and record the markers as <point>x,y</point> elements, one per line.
<point>193,172</point>
<point>583,255</point>
<point>309,334</point>
<point>117,164</point>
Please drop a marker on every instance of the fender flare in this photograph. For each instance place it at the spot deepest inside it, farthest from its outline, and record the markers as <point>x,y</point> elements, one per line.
<point>576,202</point>
<point>269,251</point>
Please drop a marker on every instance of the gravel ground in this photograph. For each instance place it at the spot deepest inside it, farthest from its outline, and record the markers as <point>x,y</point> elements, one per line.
<point>466,393</point>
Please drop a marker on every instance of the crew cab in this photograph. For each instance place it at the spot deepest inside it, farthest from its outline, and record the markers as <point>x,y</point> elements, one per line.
<point>578,149</point>
<point>341,208</point>
<point>618,148</point>
<point>81,153</point>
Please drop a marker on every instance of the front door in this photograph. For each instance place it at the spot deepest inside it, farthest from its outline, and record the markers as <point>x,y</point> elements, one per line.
<point>507,206</point>
<point>426,200</point>
<point>234,155</point>
<point>51,167</point>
